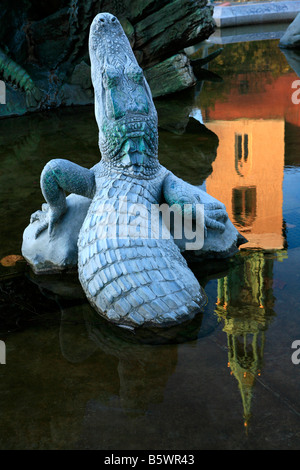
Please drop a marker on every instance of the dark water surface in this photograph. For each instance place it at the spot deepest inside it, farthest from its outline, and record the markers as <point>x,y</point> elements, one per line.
<point>226,380</point>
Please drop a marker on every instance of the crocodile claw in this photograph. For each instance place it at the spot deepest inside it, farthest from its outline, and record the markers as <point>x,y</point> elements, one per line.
<point>47,218</point>
<point>215,217</point>
<point>41,229</point>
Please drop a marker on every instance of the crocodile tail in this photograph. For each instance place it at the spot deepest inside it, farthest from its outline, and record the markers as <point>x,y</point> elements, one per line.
<point>139,282</point>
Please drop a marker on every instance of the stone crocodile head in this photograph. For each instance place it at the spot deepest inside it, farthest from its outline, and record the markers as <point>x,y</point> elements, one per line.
<point>124,109</point>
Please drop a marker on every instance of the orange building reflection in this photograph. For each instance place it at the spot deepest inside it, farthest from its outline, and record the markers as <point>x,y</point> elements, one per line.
<point>247,177</point>
<point>250,122</point>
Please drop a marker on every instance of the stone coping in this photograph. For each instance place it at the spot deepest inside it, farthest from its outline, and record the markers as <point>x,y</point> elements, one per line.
<point>247,33</point>
<point>256,13</point>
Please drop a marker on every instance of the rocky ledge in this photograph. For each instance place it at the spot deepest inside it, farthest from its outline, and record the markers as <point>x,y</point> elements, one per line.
<point>44,59</point>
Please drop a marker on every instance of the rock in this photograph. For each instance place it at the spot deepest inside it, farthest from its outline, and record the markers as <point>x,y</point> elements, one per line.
<point>75,95</point>
<point>136,10</point>
<point>171,75</point>
<point>293,59</point>
<point>193,163</point>
<point>45,255</point>
<point>82,76</point>
<point>291,38</point>
<point>133,10</point>
<point>174,112</point>
<point>177,25</point>
<point>50,37</point>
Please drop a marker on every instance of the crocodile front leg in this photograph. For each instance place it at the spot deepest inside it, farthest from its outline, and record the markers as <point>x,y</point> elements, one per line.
<point>177,191</point>
<point>58,177</point>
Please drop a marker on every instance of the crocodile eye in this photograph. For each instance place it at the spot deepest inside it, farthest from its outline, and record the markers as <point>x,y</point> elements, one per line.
<point>111,78</point>
<point>135,74</point>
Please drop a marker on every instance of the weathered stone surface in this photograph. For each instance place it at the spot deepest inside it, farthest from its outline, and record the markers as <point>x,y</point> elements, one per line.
<point>293,59</point>
<point>48,39</point>
<point>247,33</point>
<point>46,256</point>
<point>179,24</point>
<point>191,163</point>
<point>291,38</point>
<point>82,76</point>
<point>50,36</point>
<point>74,95</point>
<point>172,75</point>
<point>255,13</point>
<point>79,90</point>
<point>135,10</point>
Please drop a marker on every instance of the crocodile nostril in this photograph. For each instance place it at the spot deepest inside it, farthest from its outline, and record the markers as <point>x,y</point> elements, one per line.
<point>102,20</point>
<point>113,19</point>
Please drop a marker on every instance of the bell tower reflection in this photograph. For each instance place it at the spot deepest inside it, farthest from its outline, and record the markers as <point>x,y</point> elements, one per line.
<point>247,177</point>
<point>250,119</point>
<point>245,306</point>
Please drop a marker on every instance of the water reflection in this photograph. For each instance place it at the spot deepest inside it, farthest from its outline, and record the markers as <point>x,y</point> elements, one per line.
<point>146,360</point>
<point>143,370</point>
<point>244,206</point>
<point>251,186</point>
<point>245,304</point>
<point>250,116</point>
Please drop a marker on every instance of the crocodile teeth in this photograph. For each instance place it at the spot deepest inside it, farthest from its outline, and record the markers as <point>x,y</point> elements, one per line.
<point>126,159</point>
<point>136,158</point>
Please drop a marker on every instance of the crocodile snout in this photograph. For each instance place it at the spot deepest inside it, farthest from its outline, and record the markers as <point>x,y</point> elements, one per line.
<point>106,19</point>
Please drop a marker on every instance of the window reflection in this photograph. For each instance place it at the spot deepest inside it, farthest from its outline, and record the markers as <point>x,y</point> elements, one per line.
<point>241,153</point>
<point>244,87</point>
<point>247,176</point>
<point>244,206</point>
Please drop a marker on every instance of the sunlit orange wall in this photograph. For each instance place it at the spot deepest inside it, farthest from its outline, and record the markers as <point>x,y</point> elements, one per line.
<point>264,169</point>
<point>274,101</point>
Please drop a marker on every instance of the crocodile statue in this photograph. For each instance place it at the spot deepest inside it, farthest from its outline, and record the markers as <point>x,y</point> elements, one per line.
<point>131,281</point>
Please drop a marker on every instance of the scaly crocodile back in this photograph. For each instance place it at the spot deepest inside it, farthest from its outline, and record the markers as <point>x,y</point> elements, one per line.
<point>134,281</point>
